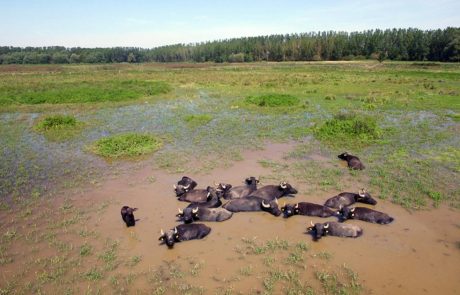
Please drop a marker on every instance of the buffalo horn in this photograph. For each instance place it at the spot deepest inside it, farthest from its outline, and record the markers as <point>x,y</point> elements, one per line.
<point>352,209</point>
<point>195,210</point>
<point>207,196</point>
<point>276,201</point>
<point>284,204</point>
<point>180,210</point>
<point>186,187</point>
<point>311,222</point>
<point>283,185</point>
<point>296,206</point>
<point>175,230</point>
<point>265,205</point>
<point>327,225</point>
<point>162,232</point>
<point>174,186</point>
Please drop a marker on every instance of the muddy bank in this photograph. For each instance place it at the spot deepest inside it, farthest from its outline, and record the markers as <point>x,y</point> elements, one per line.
<point>418,253</point>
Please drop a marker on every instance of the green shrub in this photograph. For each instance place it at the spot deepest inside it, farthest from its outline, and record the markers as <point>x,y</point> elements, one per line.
<point>349,128</point>
<point>126,145</point>
<point>56,122</point>
<point>273,100</point>
<point>198,120</point>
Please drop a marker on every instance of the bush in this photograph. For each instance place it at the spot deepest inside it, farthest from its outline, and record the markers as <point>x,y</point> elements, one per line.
<point>273,100</point>
<point>126,145</point>
<point>349,128</point>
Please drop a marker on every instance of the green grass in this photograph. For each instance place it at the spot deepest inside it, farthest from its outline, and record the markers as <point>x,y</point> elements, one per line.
<point>56,122</point>
<point>197,120</point>
<point>349,129</point>
<point>59,127</point>
<point>126,145</point>
<point>84,91</point>
<point>273,100</point>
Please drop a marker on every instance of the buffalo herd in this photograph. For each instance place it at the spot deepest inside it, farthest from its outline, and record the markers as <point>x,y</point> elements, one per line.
<point>206,205</point>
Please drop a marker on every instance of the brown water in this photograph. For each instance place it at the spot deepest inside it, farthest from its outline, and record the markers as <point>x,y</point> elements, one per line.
<point>417,254</point>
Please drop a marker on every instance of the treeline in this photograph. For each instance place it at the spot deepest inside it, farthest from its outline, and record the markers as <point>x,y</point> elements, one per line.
<point>394,44</point>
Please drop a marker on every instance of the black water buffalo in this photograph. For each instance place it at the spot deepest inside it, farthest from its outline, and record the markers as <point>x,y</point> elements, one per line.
<point>229,192</point>
<point>309,209</point>
<point>346,199</point>
<point>272,192</point>
<point>253,204</point>
<point>212,200</point>
<point>184,232</point>
<point>353,161</point>
<point>196,195</point>
<point>128,216</point>
<point>189,215</point>
<point>319,230</point>
<point>365,214</point>
<point>186,183</point>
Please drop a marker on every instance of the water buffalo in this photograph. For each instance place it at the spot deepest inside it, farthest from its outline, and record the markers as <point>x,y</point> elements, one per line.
<point>353,161</point>
<point>189,215</point>
<point>272,192</point>
<point>212,200</point>
<point>319,230</point>
<point>309,209</point>
<point>184,232</point>
<point>128,216</point>
<point>186,183</point>
<point>346,199</point>
<point>365,214</point>
<point>253,204</point>
<point>196,195</point>
<point>229,192</point>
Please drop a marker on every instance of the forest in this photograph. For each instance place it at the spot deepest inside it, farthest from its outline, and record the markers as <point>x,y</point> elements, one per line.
<point>411,44</point>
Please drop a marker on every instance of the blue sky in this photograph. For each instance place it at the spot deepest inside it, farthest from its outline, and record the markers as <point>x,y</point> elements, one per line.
<point>143,23</point>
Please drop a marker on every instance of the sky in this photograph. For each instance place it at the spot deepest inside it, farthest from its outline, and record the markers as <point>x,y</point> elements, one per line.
<point>147,24</point>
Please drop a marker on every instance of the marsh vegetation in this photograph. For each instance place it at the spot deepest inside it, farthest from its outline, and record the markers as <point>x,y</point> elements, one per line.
<point>202,119</point>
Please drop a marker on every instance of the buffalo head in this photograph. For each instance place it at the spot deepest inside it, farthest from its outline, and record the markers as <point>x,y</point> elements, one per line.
<point>287,188</point>
<point>188,215</point>
<point>290,210</point>
<point>343,156</point>
<point>271,207</point>
<point>170,237</point>
<point>365,197</point>
<point>318,230</point>
<point>346,213</point>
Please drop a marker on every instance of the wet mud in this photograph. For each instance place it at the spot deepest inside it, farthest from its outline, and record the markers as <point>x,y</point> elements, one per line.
<point>416,254</point>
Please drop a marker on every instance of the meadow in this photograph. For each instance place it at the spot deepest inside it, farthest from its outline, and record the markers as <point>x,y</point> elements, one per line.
<point>401,118</point>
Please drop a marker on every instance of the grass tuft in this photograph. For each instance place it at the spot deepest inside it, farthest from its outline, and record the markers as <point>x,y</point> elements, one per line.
<point>126,145</point>
<point>349,129</point>
<point>56,122</point>
<point>194,121</point>
<point>273,100</point>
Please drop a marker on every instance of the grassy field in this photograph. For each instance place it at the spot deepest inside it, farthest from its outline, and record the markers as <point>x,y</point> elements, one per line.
<point>401,119</point>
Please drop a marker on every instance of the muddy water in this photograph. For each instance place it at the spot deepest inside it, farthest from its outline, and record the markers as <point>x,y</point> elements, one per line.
<point>417,254</point>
